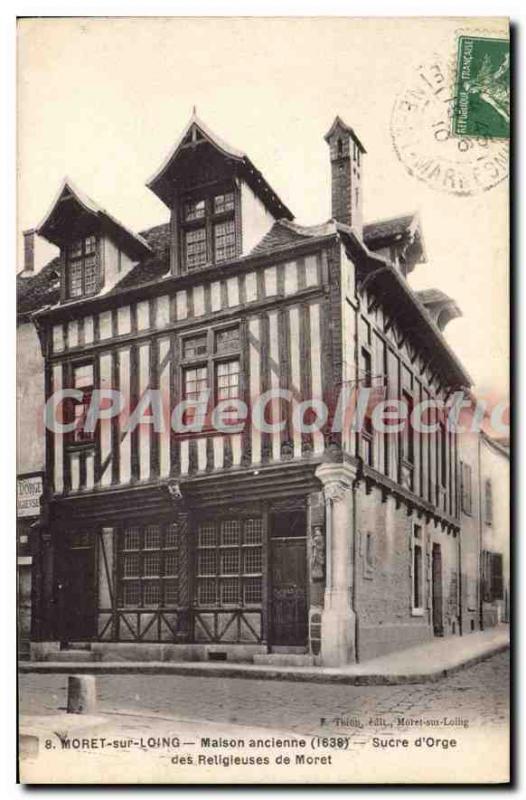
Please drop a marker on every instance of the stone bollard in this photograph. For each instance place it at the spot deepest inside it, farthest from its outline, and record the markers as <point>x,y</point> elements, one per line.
<point>82,695</point>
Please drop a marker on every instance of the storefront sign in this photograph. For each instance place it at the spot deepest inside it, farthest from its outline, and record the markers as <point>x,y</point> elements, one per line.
<point>28,493</point>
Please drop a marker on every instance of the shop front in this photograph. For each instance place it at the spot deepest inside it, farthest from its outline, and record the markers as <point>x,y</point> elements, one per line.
<point>212,581</point>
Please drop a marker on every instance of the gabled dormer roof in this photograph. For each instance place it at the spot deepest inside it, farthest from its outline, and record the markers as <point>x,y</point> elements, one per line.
<point>72,206</point>
<point>198,134</point>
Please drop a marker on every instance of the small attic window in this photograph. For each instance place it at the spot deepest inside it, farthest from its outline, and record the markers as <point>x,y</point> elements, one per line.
<point>340,147</point>
<point>81,267</point>
<point>209,233</point>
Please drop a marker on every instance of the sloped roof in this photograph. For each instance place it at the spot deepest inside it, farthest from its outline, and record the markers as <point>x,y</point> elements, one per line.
<point>39,290</point>
<point>378,233</point>
<point>43,288</point>
<point>339,123</point>
<point>49,229</point>
<point>160,184</point>
<point>284,234</point>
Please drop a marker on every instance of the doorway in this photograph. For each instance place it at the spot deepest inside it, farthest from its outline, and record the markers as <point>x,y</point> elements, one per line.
<point>76,589</point>
<point>288,579</point>
<point>436,576</point>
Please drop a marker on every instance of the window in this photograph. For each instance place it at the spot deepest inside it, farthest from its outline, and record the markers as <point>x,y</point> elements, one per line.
<point>81,267</point>
<point>148,565</point>
<point>443,454</point>
<point>82,380</point>
<point>208,229</point>
<point>224,202</point>
<point>194,209</point>
<point>211,360</point>
<point>195,346</point>
<point>417,570</point>
<point>492,576</point>
<point>408,444</point>
<point>488,502</point>
<point>196,250</point>
<point>465,488</point>
<point>227,380</point>
<point>366,382</point>
<point>225,240</point>
<point>368,554</point>
<point>227,340</point>
<point>229,562</point>
<point>195,382</point>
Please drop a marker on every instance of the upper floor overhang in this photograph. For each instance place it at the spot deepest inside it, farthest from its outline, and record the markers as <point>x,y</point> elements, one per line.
<point>380,277</point>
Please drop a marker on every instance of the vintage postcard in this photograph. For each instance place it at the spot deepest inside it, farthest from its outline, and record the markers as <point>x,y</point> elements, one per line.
<point>263,400</point>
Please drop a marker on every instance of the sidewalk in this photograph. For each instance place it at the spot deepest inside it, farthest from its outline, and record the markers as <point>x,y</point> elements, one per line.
<point>427,662</point>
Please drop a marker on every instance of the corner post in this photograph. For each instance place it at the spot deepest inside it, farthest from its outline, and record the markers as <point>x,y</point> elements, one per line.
<point>338,626</point>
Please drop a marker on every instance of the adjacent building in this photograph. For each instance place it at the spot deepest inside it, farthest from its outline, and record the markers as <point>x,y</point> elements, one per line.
<point>241,543</point>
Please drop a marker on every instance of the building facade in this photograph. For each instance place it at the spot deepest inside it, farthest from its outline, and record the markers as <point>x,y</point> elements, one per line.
<point>243,542</point>
<point>484,472</point>
<point>30,431</point>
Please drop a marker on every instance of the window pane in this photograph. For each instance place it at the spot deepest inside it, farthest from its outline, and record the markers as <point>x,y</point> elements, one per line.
<point>253,531</point>
<point>225,240</point>
<point>206,592</point>
<point>151,593</point>
<point>230,562</point>
<point>252,560</point>
<point>230,590</point>
<point>207,535</point>
<point>252,590</point>
<point>90,274</point>
<point>132,538</point>
<point>75,249</point>
<point>223,202</point>
<point>171,538</point>
<point>195,346</point>
<point>227,340</point>
<point>194,209</point>
<point>131,593</point>
<point>195,248</point>
<point>207,562</point>
<point>75,278</point>
<point>195,382</point>
<point>83,376</point>
<point>227,380</point>
<point>170,563</point>
<point>152,564</point>
<point>131,565</point>
<point>170,593</point>
<point>152,537</point>
<point>230,530</point>
<point>90,244</point>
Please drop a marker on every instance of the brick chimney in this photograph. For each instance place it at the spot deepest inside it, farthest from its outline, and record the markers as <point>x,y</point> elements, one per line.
<point>346,153</point>
<point>29,252</point>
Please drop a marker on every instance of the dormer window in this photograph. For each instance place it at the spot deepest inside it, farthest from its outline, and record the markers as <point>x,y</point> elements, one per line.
<point>208,229</point>
<point>81,267</point>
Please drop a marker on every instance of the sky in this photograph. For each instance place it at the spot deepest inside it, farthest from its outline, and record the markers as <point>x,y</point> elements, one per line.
<point>103,101</point>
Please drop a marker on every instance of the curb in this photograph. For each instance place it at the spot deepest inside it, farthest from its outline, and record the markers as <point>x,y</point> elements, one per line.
<point>194,669</point>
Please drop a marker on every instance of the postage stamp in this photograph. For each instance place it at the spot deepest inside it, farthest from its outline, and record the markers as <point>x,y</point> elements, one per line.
<point>482,96</point>
<point>425,141</point>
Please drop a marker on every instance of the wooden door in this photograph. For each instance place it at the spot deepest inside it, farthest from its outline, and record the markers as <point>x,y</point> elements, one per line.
<point>288,613</point>
<point>436,574</point>
<point>77,593</point>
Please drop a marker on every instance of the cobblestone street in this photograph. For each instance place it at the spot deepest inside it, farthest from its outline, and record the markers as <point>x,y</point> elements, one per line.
<point>478,694</point>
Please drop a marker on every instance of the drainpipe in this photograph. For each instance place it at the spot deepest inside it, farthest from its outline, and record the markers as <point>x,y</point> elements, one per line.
<point>479,492</point>
<point>355,484</point>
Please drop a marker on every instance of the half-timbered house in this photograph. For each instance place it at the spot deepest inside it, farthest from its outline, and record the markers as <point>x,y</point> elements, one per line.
<point>327,543</point>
